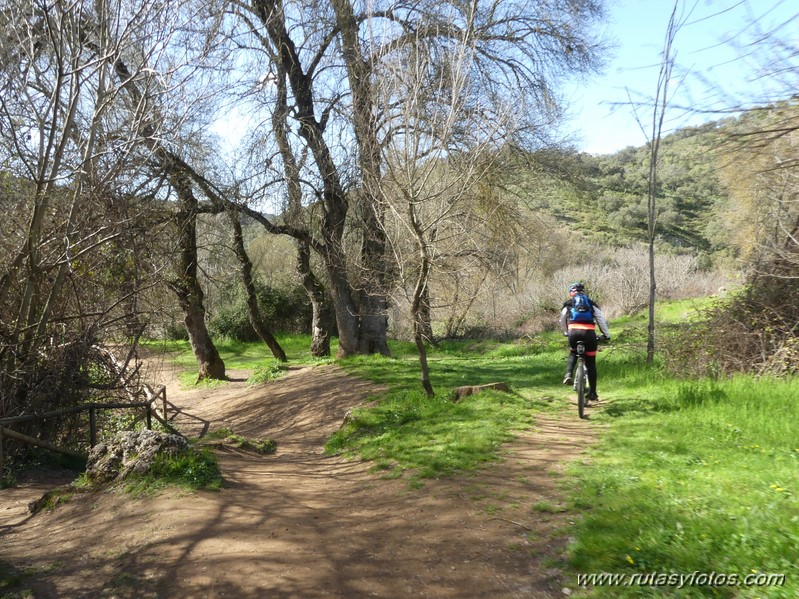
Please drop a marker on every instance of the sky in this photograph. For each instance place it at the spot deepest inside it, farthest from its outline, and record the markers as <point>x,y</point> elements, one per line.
<point>603,118</point>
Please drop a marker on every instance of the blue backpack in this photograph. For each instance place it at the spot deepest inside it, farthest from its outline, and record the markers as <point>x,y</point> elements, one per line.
<point>582,309</point>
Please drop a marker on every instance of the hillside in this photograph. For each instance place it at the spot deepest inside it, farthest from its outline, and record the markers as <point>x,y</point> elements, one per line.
<point>605,197</point>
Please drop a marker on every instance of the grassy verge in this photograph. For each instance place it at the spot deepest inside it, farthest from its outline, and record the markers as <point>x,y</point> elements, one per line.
<point>693,478</point>
<point>408,433</point>
<point>432,437</point>
<point>700,477</point>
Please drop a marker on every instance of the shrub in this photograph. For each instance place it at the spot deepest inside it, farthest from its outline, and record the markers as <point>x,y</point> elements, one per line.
<point>268,371</point>
<point>175,330</point>
<point>752,331</point>
<point>283,310</point>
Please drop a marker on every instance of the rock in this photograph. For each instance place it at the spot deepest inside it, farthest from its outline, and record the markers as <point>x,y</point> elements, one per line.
<point>462,392</point>
<point>129,452</point>
<point>51,499</point>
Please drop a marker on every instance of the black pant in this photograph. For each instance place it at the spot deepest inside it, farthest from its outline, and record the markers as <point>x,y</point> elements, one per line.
<point>589,338</point>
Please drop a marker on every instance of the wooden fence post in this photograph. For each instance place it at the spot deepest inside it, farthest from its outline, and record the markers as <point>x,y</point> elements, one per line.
<point>163,392</point>
<point>92,428</point>
<point>92,408</point>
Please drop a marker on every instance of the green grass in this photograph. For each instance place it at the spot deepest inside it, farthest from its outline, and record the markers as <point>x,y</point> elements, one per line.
<point>192,470</point>
<point>13,582</point>
<point>433,436</point>
<point>267,370</point>
<point>709,483</point>
<point>407,433</point>
<point>691,476</point>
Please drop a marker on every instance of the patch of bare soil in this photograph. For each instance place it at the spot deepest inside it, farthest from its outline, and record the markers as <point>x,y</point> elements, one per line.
<point>299,524</point>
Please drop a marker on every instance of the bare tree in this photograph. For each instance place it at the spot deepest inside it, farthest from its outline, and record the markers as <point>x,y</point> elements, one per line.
<point>451,112</point>
<point>428,187</point>
<point>77,259</point>
<point>87,87</point>
<point>145,94</point>
<point>254,313</point>
<point>331,58</point>
<point>659,107</point>
<point>766,134</point>
<point>754,331</point>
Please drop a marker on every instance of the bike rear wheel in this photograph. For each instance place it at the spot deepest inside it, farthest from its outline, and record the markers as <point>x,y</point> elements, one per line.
<point>580,386</point>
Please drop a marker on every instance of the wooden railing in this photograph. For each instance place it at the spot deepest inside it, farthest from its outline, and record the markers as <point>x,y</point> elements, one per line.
<point>152,397</point>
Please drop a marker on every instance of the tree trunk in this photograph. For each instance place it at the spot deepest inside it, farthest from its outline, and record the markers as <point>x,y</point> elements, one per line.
<point>320,335</point>
<point>209,363</point>
<point>650,338</point>
<point>373,304</point>
<point>652,221</point>
<point>253,311</point>
<point>418,338</point>
<point>334,198</point>
<point>320,340</point>
<point>658,116</point>
<point>425,318</point>
<point>419,293</point>
<point>373,332</point>
<point>347,320</point>
<point>187,287</point>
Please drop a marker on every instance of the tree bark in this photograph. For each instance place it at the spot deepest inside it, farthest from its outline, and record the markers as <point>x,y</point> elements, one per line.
<point>186,285</point>
<point>425,318</point>
<point>418,335</point>
<point>419,293</point>
<point>209,363</point>
<point>658,116</point>
<point>347,317</point>
<point>320,334</point>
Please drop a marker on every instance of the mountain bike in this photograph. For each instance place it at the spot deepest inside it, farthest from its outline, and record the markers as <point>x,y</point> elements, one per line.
<point>581,379</point>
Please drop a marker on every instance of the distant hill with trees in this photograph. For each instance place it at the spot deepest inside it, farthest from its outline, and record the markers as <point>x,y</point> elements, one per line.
<point>604,196</point>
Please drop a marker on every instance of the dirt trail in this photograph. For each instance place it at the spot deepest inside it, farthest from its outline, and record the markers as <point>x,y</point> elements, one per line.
<point>299,524</point>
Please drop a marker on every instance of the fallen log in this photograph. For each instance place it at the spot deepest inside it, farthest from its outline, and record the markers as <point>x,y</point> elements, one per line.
<point>467,390</point>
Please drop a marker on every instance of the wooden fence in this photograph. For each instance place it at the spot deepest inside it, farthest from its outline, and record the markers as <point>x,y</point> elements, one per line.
<point>150,412</point>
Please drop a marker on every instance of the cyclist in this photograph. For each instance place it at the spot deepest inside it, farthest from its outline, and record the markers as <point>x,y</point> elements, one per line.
<point>577,320</point>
